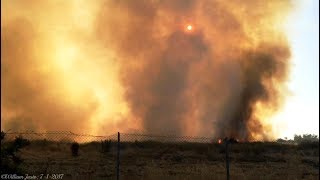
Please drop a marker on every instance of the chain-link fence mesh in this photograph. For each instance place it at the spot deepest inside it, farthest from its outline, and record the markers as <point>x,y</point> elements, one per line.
<point>143,156</point>
<point>52,153</point>
<point>63,136</point>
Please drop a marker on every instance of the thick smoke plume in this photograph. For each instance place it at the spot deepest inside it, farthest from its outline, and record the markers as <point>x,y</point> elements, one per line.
<point>137,67</point>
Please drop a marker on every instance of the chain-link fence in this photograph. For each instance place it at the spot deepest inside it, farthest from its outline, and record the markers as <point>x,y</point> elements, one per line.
<point>134,156</point>
<point>56,152</point>
<point>62,136</point>
<point>142,156</point>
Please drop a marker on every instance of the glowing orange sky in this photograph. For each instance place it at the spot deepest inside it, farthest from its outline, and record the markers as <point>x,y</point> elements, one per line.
<point>81,72</point>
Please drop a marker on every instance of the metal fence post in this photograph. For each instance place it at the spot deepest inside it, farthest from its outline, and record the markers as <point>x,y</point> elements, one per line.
<point>118,156</point>
<point>227,159</point>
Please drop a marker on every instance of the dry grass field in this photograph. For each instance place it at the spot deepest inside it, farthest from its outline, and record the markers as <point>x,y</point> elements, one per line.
<point>155,160</point>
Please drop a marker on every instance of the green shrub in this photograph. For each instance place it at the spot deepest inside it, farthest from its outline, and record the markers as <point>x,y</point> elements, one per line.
<point>306,138</point>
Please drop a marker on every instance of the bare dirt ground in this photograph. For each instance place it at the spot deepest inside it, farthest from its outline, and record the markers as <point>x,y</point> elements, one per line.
<point>154,160</point>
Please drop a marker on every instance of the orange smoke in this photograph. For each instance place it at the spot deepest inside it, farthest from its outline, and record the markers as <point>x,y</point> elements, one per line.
<point>142,66</point>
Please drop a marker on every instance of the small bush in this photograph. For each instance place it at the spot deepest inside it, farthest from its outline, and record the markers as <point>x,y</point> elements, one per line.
<point>2,135</point>
<point>106,146</point>
<point>20,142</point>
<point>75,149</point>
<point>306,138</point>
<point>10,162</point>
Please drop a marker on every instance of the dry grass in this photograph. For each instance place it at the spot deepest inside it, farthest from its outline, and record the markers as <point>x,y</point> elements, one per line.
<point>155,160</point>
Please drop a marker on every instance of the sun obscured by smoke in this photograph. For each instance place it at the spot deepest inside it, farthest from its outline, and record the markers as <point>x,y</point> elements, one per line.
<point>107,66</point>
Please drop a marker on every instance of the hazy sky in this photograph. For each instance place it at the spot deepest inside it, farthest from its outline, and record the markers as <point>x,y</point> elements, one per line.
<point>301,112</point>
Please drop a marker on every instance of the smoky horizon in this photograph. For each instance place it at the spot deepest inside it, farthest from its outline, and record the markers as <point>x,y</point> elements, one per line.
<point>189,68</point>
